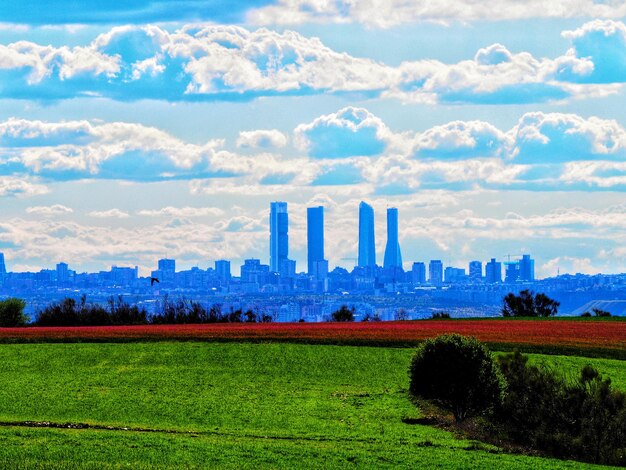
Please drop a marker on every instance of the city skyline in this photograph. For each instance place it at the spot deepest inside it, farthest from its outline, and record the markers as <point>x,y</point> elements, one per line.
<point>166,133</point>
<point>318,267</point>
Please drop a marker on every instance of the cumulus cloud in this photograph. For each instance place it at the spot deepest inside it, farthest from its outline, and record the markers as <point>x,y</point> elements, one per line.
<point>388,13</point>
<point>82,149</point>
<point>554,137</point>
<point>54,210</point>
<point>182,212</point>
<point>20,187</point>
<point>209,62</point>
<point>348,132</point>
<point>109,214</point>
<point>351,147</point>
<point>264,139</point>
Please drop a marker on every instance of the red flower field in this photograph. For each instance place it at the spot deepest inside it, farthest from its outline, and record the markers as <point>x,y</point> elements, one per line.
<point>604,335</point>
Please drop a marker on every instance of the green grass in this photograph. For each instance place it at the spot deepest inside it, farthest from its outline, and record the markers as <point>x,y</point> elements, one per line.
<point>231,405</point>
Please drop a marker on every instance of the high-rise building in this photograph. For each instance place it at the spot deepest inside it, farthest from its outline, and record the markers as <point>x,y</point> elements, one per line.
<point>279,235</point>
<point>453,275</point>
<point>435,272</point>
<point>493,272</point>
<point>527,268</point>
<point>222,269</point>
<point>475,271</point>
<point>418,273</point>
<point>63,273</point>
<point>314,238</point>
<point>393,256</point>
<point>166,272</point>
<point>367,245</point>
<point>3,268</point>
<point>511,271</point>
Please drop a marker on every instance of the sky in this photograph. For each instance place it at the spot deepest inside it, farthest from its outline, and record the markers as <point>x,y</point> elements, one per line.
<point>138,130</point>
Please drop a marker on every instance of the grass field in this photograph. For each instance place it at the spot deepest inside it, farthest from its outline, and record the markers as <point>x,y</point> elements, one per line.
<point>230,405</point>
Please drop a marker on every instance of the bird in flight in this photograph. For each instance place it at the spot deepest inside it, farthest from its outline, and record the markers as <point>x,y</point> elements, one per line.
<point>153,280</point>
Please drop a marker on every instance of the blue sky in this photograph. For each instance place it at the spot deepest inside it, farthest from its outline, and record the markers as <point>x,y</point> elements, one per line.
<point>131,131</point>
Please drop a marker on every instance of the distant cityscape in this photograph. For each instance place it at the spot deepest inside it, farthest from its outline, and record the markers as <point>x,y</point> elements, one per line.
<point>386,291</point>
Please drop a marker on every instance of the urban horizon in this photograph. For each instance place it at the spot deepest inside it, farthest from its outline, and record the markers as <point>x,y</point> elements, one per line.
<point>365,255</point>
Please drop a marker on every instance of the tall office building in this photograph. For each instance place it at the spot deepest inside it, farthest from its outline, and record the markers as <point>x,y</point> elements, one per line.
<point>222,269</point>
<point>3,268</point>
<point>418,273</point>
<point>166,272</point>
<point>63,273</point>
<point>393,256</point>
<point>279,236</point>
<point>527,268</point>
<point>435,272</point>
<point>314,237</point>
<point>367,245</point>
<point>475,271</point>
<point>493,272</point>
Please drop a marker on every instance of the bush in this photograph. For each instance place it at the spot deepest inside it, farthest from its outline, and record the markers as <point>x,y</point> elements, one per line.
<point>529,304</point>
<point>68,312</point>
<point>12,313</point>
<point>458,374</point>
<point>440,316</point>
<point>343,314</point>
<point>584,419</point>
<point>600,313</point>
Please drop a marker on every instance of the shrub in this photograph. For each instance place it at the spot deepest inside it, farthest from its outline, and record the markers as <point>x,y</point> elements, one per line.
<point>584,419</point>
<point>458,374</point>
<point>529,304</point>
<point>12,313</point>
<point>440,316</point>
<point>343,314</point>
<point>68,312</point>
<point>600,313</point>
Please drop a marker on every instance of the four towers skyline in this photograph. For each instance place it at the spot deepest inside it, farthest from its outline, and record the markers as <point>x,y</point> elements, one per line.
<point>316,264</point>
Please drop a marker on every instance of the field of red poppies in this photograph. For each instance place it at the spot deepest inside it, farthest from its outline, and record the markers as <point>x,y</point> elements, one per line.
<point>526,334</point>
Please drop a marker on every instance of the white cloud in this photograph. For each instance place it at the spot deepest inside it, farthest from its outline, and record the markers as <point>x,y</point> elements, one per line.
<point>111,213</point>
<point>82,149</point>
<point>14,186</point>
<point>54,210</point>
<point>388,13</point>
<point>348,132</point>
<point>200,62</point>
<point>553,137</point>
<point>182,212</point>
<point>262,139</point>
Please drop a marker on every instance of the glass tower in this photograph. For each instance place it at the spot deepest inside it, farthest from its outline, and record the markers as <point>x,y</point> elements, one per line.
<point>367,246</point>
<point>393,257</point>
<point>314,237</point>
<point>279,237</point>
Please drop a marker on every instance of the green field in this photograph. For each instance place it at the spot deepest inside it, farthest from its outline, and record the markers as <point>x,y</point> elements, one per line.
<point>231,405</point>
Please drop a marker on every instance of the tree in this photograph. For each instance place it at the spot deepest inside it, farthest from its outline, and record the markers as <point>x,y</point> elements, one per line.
<point>529,304</point>
<point>600,313</point>
<point>458,374</point>
<point>343,314</point>
<point>12,313</point>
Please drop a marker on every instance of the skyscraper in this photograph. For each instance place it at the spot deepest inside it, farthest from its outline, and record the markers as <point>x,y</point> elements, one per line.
<point>222,269</point>
<point>314,237</point>
<point>279,237</point>
<point>367,246</point>
<point>527,268</point>
<point>475,271</point>
<point>418,273</point>
<point>435,272</point>
<point>393,256</point>
<point>493,272</point>
<point>3,268</point>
